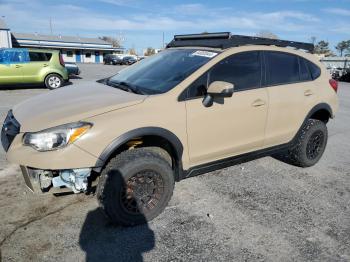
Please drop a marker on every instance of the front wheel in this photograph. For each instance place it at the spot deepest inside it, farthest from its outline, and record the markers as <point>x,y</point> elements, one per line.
<point>135,186</point>
<point>53,81</point>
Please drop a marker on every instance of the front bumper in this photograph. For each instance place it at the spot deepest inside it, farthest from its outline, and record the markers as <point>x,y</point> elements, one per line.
<point>57,181</point>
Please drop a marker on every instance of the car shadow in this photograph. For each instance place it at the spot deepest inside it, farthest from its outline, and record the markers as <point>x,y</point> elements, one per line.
<point>75,77</point>
<point>20,87</point>
<point>103,241</point>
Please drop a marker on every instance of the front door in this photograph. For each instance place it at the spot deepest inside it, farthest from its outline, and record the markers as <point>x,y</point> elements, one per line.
<point>233,125</point>
<point>11,66</point>
<point>78,56</point>
<point>97,57</point>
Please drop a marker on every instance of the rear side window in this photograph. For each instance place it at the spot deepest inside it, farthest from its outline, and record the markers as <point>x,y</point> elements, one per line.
<point>314,70</point>
<point>282,68</point>
<point>243,70</point>
<point>39,57</point>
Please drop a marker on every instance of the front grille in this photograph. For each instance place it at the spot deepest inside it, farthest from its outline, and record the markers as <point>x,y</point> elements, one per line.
<point>10,129</point>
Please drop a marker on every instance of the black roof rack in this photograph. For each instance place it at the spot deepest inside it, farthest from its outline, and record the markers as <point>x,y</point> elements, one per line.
<point>225,40</point>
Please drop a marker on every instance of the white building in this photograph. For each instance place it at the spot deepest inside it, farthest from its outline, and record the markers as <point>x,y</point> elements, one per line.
<point>73,48</point>
<point>5,35</point>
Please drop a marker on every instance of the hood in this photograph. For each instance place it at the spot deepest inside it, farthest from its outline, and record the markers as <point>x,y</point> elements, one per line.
<point>70,104</point>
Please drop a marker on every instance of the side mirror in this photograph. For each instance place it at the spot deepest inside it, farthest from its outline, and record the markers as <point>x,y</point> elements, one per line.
<point>220,88</point>
<point>217,89</point>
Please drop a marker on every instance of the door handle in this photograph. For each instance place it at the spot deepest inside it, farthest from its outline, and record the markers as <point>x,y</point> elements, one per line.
<point>308,93</point>
<point>46,65</point>
<point>18,66</point>
<point>258,102</point>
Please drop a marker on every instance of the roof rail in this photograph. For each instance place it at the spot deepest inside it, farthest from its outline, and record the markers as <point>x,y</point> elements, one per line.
<point>225,40</point>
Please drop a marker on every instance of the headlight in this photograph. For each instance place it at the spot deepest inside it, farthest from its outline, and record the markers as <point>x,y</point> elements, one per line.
<point>56,137</point>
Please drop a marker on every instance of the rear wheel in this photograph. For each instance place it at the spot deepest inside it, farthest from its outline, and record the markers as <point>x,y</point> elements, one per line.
<point>310,144</point>
<point>53,81</point>
<point>135,186</point>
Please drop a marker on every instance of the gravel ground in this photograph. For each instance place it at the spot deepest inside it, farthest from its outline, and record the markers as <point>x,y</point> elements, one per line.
<point>263,210</point>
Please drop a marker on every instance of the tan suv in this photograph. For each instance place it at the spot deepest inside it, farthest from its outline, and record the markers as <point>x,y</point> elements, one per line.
<point>206,102</point>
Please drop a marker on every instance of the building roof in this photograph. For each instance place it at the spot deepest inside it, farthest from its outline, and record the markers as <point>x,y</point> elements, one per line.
<point>3,25</point>
<point>58,38</point>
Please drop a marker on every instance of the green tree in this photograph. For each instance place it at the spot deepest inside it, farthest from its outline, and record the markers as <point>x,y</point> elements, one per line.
<point>343,46</point>
<point>322,48</point>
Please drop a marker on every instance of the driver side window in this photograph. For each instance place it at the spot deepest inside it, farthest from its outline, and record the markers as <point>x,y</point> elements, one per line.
<point>242,69</point>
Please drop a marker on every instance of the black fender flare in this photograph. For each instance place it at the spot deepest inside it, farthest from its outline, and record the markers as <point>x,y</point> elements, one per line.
<point>144,131</point>
<point>321,106</point>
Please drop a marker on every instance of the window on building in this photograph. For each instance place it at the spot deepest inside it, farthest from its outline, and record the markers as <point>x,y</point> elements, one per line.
<point>282,68</point>
<point>88,55</point>
<point>243,70</point>
<point>39,57</point>
<point>69,54</point>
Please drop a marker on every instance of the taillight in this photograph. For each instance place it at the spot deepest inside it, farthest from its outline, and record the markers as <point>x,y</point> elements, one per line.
<point>334,84</point>
<point>61,60</point>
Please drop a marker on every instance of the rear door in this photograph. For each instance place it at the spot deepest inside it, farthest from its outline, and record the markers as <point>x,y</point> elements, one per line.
<point>291,94</point>
<point>11,66</point>
<point>37,62</point>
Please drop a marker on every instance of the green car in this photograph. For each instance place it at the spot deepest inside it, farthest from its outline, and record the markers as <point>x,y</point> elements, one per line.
<point>32,66</point>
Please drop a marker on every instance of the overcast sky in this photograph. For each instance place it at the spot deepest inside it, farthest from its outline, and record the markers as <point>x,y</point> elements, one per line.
<point>142,22</point>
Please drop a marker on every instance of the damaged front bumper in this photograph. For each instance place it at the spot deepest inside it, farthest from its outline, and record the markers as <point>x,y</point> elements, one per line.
<point>42,181</point>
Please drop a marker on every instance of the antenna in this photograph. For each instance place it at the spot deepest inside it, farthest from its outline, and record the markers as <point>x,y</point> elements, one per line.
<point>51,25</point>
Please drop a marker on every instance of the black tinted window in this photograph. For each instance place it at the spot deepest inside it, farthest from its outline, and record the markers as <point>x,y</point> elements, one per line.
<point>314,70</point>
<point>39,57</point>
<point>243,70</point>
<point>304,70</point>
<point>282,68</point>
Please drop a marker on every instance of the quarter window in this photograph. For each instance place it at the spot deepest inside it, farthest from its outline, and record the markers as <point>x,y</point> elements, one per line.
<point>304,70</point>
<point>314,70</point>
<point>282,68</point>
<point>243,70</point>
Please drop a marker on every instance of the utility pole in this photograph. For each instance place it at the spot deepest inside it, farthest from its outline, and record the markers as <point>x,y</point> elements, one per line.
<point>51,25</point>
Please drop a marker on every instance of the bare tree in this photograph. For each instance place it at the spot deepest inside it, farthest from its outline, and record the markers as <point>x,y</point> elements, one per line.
<point>266,34</point>
<point>114,41</point>
<point>150,51</point>
<point>132,51</point>
<point>313,40</point>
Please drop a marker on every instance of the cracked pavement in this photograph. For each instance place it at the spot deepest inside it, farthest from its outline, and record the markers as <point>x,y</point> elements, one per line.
<point>263,210</point>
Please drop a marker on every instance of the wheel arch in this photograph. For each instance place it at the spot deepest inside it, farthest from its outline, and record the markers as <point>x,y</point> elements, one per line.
<point>322,111</point>
<point>166,140</point>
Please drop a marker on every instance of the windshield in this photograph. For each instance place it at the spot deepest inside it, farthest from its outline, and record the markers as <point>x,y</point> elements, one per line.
<point>161,72</point>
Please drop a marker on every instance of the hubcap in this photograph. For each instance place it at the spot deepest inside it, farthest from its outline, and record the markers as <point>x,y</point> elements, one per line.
<point>315,144</point>
<point>54,82</point>
<point>142,192</point>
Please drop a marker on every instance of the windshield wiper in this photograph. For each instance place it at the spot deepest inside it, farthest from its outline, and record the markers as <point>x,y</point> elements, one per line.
<point>125,87</point>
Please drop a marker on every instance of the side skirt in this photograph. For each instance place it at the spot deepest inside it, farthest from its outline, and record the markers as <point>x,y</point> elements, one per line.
<point>231,161</point>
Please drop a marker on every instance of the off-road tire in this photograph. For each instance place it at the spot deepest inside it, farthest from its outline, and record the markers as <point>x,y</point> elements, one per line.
<point>53,78</point>
<point>300,154</point>
<point>115,180</point>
